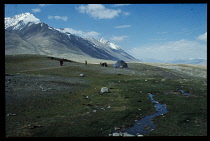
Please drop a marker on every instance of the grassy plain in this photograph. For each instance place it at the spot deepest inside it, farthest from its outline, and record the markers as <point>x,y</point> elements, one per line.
<point>72,106</point>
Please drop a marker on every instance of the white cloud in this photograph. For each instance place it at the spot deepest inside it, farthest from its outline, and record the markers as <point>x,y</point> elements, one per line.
<point>42,5</point>
<point>36,10</point>
<point>123,26</point>
<point>118,38</point>
<point>171,50</point>
<point>157,39</point>
<point>202,37</point>
<point>126,13</point>
<point>64,18</point>
<point>118,5</point>
<point>162,32</point>
<point>89,34</point>
<point>99,11</point>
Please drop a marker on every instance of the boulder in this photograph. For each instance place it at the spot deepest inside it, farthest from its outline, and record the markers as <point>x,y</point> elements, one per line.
<point>128,135</point>
<point>81,75</point>
<point>116,134</point>
<point>104,90</point>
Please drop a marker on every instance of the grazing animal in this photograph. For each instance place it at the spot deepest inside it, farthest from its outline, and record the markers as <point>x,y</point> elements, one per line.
<point>104,64</point>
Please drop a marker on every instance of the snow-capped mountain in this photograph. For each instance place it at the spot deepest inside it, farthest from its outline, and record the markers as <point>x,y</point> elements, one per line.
<point>20,21</point>
<point>26,34</point>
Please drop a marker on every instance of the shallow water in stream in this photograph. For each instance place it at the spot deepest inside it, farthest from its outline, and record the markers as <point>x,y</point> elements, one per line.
<point>145,125</point>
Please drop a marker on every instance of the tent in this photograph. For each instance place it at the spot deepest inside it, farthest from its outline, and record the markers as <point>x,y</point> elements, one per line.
<point>120,64</point>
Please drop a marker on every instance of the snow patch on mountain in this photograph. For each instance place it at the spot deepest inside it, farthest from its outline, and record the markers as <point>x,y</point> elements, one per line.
<point>19,21</point>
<point>103,41</point>
<point>113,46</point>
<point>63,31</point>
<point>109,44</point>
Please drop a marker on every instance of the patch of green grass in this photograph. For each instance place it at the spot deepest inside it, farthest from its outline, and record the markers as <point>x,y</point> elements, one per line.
<point>72,114</point>
<point>186,114</point>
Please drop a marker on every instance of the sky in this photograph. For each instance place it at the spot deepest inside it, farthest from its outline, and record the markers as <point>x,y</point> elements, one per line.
<point>157,31</point>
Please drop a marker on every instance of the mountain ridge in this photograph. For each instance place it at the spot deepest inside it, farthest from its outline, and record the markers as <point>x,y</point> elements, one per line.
<point>25,33</point>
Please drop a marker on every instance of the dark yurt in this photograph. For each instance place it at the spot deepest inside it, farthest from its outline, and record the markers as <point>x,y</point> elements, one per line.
<point>120,64</point>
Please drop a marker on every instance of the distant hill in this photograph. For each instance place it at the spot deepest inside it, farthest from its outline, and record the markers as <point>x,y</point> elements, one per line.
<point>198,61</point>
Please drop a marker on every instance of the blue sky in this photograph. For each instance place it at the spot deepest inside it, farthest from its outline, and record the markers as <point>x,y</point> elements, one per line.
<point>158,31</point>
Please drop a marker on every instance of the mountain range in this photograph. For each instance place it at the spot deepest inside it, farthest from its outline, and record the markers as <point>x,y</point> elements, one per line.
<point>195,61</point>
<point>26,34</point>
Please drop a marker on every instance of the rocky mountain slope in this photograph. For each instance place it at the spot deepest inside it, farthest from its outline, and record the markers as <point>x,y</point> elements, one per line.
<point>25,34</point>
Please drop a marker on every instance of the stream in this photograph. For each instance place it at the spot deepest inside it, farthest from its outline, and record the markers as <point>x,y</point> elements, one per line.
<point>145,125</point>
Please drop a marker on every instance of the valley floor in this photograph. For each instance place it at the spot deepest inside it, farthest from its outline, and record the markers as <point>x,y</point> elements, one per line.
<point>44,99</point>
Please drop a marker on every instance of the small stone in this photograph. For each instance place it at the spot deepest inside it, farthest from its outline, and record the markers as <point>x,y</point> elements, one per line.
<point>138,135</point>
<point>115,134</point>
<point>163,80</point>
<point>81,75</point>
<point>10,114</point>
<point>116,128</point>
<point>127,135</point>
<point>104,90</point>
<point>94,111</point>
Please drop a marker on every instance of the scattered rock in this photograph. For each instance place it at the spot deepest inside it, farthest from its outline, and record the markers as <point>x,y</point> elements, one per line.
<point>116,134</point>
<point>94,111</point>
<point>81,75</point>
<point>128,135</point>
<point>110,135</point>
<point>138,135</point>
<point>10,114</point>
<point>163,80</point>
<point>109,107</point>
<point>104,90</point>
<point>125,135</point>
<point>33,126</point>
<point>116,128</point>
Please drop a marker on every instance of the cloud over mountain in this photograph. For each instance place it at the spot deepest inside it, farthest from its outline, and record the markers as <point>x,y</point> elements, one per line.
<point>36,10</point>
<point>89,34</point>
<point>64,18</point>
<point>99,11</point>
<point>118,38</point>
